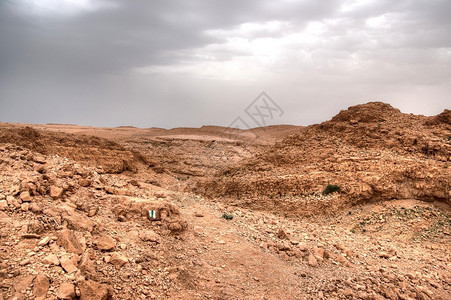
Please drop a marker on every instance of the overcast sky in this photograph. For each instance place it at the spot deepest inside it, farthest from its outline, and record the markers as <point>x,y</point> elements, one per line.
<point>197,62</point>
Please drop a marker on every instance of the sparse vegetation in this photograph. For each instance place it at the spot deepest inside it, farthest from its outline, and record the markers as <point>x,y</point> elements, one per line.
<point>331,188</point>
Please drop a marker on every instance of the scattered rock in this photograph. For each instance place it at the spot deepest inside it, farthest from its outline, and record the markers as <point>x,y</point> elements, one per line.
<point>312,261</point>
<point>35,208</point>
<point>41,285</point>
<point>118,259</point>
<point>149,236</point>
<point>91,290</point>
<point>87,266</point>
<point>84,182</point>
<point>347,292</point>
<point>44,241</point>
<point>51,259</point>
<point>105,243</point>
<point>341,259</point>
<point>281,234</point>
<point>21,283</point>
<point>78,222</point>
<point>39,159</point>
<point>68,263</point>
<point>25,206</point>
<point>66,291</point>
<point>302,247</point>
<point>318,253</point>
<point>69,241</point>
<point>3,204</point>
<point>55,192</point>
<point>25,196</point>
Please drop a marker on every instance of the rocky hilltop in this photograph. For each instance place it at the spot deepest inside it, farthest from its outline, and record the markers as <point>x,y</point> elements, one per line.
<point>372,152</point>
<point>354,208</point>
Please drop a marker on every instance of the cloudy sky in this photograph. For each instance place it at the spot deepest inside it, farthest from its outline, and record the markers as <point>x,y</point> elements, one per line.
<point>165,63</point>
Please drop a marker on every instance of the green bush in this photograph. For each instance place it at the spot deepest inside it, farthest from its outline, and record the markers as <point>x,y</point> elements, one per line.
<point>331,188</point>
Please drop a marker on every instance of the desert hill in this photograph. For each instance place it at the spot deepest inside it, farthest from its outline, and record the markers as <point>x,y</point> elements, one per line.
<point>357,207</point>
<point>372,152</point>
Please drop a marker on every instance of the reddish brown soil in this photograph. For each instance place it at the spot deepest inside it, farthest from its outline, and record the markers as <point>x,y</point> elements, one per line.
<point>74,201</point>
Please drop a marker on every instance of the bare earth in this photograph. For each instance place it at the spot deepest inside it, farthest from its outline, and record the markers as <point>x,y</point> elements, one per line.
<point>240,214</point>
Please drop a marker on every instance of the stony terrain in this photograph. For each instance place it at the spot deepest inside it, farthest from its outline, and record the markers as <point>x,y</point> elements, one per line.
<point>354,208</point>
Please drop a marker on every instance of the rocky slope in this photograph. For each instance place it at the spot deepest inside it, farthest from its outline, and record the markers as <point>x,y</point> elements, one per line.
<point>371,152</point>
<point>75,202</point>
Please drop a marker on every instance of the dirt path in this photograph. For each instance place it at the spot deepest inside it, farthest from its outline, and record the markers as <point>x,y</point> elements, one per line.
<point>229,266</point>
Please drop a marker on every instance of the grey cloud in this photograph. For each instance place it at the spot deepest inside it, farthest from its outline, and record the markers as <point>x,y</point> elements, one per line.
<point>80,68</point>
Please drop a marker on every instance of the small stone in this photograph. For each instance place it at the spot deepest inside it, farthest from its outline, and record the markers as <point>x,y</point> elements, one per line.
<point>105,243</point>
<point>341,259</point>
<point>69,241</point>
<point>84,182</point>
<point>25,262</point>
<point>25,206</point>
<point>318,253</point>
<point>3,204</point>
<point>66,291</point>
<point>40,169</point>
<point>340,246</point>
<point>86,265</point>
<point>302,247</point>
<point>51,259</point>
<point>68,264</point>
<point>383,254</point>
<point>175,227</point>
<point>118,259</point>
<point>91,290</point>
<point>30,236</point>
<point>281,234</point>
<point>55,192</point>
<point>41,286</point>
<point>25,196</point>
<point>39,159</point>
<point>44,241</point>
<point>149,236</point>
<point>347,292</point>
<point>11,200</point>
<point>312,260</point>
<point>35,208</point>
